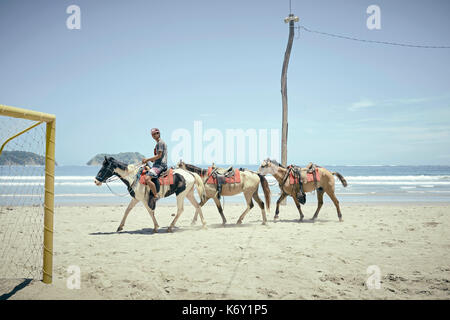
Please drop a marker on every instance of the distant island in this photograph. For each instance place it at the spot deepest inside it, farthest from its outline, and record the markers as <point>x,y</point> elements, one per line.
<point>127,157</point>
<point>21,158</point>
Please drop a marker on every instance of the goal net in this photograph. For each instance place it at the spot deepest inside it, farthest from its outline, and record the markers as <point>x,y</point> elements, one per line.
<point>25,204</point>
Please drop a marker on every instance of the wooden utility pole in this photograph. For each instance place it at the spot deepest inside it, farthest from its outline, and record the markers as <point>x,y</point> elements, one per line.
<point>284,134</point>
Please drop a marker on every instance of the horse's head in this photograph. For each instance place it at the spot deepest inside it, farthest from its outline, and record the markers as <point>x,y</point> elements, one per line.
<point>108,169</point>
<point>181,164</point>
<point>268,167</point>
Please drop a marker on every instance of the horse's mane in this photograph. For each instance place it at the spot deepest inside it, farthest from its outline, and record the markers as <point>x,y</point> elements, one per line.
<point>121,165</point>
<point>276,163</point>
<point>198,170</point>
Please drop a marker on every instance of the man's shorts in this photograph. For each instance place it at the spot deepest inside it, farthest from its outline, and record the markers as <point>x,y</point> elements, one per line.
<point>156,170</point>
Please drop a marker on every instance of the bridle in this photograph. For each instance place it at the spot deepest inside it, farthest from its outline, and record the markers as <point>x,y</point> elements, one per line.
<point>114,177</point>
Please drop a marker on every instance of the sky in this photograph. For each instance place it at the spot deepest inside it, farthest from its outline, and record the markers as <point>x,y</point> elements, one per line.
<point>135,65</point>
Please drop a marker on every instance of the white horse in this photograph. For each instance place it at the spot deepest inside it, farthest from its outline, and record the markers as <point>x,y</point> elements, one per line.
<point>183,187</point>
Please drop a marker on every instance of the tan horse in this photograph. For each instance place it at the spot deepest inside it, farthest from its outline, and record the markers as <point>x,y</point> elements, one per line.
<point>249,184</point>
<point>325,185</point>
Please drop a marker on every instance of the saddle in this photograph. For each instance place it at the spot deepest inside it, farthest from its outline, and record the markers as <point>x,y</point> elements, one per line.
<point>299,176</point>
<point>221,176</point>
<point>164,178</point>
<point>312,170</point>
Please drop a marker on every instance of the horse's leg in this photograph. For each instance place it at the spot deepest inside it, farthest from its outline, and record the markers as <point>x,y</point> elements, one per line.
<point>180,208</point>
<point>333,198</point>
<point>248,199</point>
<point>201,204</point>
<point>197,207</point>
<point>299,208</point>
<point>219,207</point>
<point>277,210</point>
<point>127,211</point>
<point>319,202</point>
<point>261,205</point>
<point>152,214</point>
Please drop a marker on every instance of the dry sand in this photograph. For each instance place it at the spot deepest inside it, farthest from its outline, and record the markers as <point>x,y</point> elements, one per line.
<point>409,243</point>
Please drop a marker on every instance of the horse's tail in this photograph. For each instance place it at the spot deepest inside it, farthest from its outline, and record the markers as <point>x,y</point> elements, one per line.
<point>343,181</point>
<point>266,189</point>
<point>200,187</point>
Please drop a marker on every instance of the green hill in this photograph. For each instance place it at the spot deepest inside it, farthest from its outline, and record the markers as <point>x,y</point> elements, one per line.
<point>127,157</point>
<point>8,158</point>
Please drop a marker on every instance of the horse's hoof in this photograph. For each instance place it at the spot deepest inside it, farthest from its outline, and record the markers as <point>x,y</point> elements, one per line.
<point>341,220</point>
<point>193,223</point>
<point>239,222</point>
<point>169,230</point>
<point>204,227</point>
<point>119,229</point>
<point>264,223</point>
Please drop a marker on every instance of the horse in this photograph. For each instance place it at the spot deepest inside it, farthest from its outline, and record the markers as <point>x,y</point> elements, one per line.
<point>325,184</point>
<point>183,187</point>
<point>248,185</point>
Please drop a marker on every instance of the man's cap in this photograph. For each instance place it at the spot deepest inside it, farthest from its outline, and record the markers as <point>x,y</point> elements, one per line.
<point>155,130</point>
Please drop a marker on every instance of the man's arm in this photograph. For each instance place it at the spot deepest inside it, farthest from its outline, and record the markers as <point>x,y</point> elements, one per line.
<point>153,159</point>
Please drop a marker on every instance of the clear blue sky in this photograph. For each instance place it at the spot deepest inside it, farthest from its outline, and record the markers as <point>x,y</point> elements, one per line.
<point>141,64</point>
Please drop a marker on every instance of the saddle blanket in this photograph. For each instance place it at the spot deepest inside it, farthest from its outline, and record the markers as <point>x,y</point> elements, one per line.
<point>309,177</point>
<point>234,179</point>
<point>166,179</point>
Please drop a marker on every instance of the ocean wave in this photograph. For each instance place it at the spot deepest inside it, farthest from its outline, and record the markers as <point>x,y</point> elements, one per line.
<point>57,178</point>
<point>61,195</point>
<point>368,165</point>
<point>406,183</point>
<point>403,178</point>
<point>68,183</point>
<point>268,177</point>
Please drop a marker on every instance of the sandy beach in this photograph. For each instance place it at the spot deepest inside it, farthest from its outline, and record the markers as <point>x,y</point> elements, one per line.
<point>408,243</point>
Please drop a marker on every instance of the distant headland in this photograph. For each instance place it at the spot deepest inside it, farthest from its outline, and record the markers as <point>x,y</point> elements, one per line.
<point>127,157</point>
<point>21,158</point>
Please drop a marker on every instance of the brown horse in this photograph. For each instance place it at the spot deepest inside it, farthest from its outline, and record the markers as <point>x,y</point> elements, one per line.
<point>324,185</point>
<point>248,185</point>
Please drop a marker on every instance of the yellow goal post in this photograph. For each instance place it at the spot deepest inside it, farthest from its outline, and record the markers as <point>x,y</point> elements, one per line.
<point>50,120</point>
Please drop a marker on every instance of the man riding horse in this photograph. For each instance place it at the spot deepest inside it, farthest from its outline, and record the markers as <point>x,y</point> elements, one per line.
<point>159,161</point>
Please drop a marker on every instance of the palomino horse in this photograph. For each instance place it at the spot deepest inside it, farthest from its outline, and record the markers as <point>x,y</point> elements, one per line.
<point>325,185</point>
<point>183,187</point>
<point>248,185</point>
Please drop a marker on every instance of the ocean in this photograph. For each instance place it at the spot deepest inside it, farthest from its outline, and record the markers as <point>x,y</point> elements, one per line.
<point>366,184</point>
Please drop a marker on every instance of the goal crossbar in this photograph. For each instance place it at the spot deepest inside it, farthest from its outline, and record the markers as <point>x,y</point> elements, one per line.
<point>49,187</point>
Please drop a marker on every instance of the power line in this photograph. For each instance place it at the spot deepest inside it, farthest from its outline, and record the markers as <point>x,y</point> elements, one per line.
<point>372,41</point>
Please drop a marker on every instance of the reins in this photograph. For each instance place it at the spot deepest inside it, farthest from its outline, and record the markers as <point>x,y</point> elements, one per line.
<point>115,177</point>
